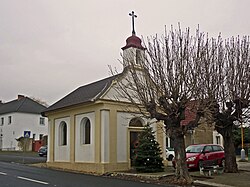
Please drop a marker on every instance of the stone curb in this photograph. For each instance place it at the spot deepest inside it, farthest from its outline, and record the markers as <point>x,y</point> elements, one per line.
<point>147,176</point>
<point>156,177</point>
<point>211,184</point>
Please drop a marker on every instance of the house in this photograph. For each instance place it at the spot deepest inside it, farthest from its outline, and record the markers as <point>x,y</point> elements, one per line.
<point>91,128</point>
<point>204,133</point>
<point>21,118</point>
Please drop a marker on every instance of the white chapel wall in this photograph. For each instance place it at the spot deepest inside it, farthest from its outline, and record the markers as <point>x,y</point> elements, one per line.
<point>123,119</point>
<point>85,152</point>
<point>122,133</point>
<point>116,92</point>
<point>62,152</point>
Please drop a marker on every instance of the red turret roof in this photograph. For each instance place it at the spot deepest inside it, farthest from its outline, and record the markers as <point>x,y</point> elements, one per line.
<point>133,41</point>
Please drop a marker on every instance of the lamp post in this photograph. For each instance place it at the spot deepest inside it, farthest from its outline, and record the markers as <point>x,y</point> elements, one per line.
<point>242,152</point>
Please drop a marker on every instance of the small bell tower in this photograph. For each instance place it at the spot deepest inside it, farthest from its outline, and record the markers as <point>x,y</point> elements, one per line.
<point>133,51</point>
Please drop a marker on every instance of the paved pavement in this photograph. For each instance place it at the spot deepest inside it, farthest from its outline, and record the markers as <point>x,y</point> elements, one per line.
<point>244,166</point>
<point>241,179</point>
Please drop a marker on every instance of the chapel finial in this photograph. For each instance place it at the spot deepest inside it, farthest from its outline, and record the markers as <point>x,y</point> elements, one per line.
<point>133,22</point>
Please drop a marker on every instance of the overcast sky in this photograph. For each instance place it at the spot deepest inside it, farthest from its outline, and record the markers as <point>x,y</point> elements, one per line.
<point>48,48</point>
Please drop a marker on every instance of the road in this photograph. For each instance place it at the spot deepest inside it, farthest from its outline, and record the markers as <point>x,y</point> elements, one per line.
<point>20,175</point>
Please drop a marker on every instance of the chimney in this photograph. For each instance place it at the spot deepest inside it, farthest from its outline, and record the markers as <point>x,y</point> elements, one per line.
<point>20,97</point>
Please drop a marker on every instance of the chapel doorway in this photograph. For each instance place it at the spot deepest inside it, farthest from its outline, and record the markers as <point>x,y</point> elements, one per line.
<point>135,128</point>
<point>134,143</point>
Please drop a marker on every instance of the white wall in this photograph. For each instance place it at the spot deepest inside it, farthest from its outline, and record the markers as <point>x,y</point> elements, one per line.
<point>116,92</point>
<point>122,133</point>
<point>123,120</point>
<point>85,152</point>
<point>21,122</point>
<point>217,138</point>
<point>105,149</point>
<point>49,139</point>
<point>62,152</point>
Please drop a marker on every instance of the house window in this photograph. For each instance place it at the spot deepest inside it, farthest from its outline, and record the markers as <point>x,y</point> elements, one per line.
<point>9,120</point>
<point>63,133</point>
<point>2,121</point>
<point>42,121</point>
<point>40,136</point>
<point>218,140</point>
<point>85,131</point>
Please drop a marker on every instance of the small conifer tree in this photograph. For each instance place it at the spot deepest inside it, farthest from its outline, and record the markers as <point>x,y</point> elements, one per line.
<point>148,153</point>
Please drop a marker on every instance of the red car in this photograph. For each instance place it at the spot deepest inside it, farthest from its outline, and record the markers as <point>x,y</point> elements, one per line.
<point>196,154</point>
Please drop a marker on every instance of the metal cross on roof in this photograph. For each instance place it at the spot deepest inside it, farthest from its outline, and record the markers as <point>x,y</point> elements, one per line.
<point>133,22</point>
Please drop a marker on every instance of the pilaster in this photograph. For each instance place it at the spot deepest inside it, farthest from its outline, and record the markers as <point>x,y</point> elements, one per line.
<point>72,138</point>
<point>113,135</point>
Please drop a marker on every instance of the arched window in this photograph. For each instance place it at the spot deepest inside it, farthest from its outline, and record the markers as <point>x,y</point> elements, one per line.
<point>63,133</point>
<point>135,122</point>
<point>85,128</point>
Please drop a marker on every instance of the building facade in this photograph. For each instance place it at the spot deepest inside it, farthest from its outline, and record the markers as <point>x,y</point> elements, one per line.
<point>21,118</point>
<point>94,129</point>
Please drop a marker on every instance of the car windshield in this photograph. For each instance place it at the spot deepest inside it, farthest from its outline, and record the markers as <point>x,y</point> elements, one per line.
<point>194,149</point>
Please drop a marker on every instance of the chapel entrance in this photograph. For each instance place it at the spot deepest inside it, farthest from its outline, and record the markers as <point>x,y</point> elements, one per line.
<point>134,143</point>
<point>135,129</point>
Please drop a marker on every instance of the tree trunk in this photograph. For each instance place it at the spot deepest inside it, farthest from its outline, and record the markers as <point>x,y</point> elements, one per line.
<point>181,171</point>
<point>230,157</point>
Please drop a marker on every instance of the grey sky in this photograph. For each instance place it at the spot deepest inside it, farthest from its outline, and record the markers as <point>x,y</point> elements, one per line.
<point>48,48</point>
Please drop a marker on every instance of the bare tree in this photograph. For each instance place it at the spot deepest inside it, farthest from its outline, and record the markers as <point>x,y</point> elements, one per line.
<point>40,101</point>
<point>180,72</point>
<point>228,86</point>
<point>166,81</point>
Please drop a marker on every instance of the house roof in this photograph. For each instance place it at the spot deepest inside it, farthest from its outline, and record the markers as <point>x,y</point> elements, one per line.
<point>87,93</point>
<point>23,105</point>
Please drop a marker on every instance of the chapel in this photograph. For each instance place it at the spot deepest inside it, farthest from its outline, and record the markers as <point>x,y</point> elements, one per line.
<point>91,128</point>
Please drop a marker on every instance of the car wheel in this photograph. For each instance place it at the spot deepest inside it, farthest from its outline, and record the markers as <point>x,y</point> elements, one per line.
<point>41,155</point>
<point>170,157</point>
